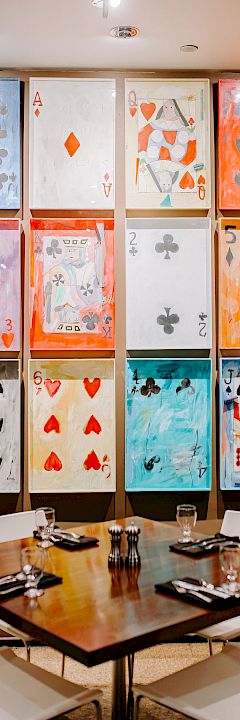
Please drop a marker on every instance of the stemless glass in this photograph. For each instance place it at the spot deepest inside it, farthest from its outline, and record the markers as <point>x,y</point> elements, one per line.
<point>230,566</point>
<point>32,563</point>
<point>45,519</point>
<point>186,517</point>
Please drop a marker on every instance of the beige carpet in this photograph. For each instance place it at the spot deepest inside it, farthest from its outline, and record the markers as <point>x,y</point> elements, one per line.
<point>149,665</point>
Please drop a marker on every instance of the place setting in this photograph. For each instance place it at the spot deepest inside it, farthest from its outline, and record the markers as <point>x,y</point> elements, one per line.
<point>32,578</point>
<point>186,516</point>
<point>51,534</point>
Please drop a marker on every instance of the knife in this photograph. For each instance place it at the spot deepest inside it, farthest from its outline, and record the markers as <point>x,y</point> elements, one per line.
<point>190,586</point>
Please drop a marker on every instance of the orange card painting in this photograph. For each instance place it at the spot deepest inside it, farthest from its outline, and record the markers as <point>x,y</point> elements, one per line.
<point>229,286</point>
<point>72,284</point>
<point>229,145</point>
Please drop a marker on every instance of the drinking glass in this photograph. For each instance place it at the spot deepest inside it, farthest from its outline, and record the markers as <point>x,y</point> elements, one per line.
<point>230,566</point>
<point>45,519</point>
<point>186,517</point>
<point>32,563</point>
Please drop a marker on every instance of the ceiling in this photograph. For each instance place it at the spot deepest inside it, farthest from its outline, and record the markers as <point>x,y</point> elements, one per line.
<point>72,34</point>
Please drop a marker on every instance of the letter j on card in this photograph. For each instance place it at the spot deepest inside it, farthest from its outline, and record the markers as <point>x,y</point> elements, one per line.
<point>71,426</point>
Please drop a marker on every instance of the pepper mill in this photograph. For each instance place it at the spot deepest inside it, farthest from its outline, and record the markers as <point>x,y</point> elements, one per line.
<point>132,558</point>
<point>115,556</point>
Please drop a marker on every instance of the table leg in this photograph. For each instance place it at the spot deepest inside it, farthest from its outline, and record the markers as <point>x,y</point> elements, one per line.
<point>119,690</point>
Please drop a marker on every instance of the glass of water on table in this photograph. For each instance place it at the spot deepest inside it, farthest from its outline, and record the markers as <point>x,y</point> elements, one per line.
<point>186,517</point>
<point>45,520</point>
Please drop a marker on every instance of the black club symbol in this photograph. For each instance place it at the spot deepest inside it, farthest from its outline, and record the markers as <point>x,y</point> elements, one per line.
<point>168,321</point>
<point>150,388</point>
<point>91,320</point>
<point>58,279</point>
<point>53,249</point>
<point>168,246</point>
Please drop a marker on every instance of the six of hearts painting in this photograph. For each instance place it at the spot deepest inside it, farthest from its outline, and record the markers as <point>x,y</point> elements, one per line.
<point>72,285</point>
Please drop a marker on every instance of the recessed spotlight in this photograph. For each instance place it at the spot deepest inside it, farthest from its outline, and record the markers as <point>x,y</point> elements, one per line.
<point>124,31</point>
<point>189,48</point>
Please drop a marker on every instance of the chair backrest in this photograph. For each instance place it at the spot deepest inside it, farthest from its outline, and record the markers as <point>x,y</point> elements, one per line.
<point>231,523</point>
<point>17,525</point>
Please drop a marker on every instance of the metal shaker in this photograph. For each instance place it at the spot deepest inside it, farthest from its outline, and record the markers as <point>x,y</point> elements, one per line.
<point>115,556</point>
<point>132,558</point>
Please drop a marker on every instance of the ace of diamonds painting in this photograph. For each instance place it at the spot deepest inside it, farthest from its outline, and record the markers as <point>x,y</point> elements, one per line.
<point>71,426</point>
<point>230,423</point>
<point>9,426</point>
<point>168,425</point>
<point>72,143</point>
<point>168,280</point>
<point>72,284</point>
<point>10,285</point>
<point>167,143</point>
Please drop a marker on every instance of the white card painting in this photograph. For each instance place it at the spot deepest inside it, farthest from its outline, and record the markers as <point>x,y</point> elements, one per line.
<point>72,143</point>
<point>9,426</point>
<point>167,143</point>
<point>168,280</point>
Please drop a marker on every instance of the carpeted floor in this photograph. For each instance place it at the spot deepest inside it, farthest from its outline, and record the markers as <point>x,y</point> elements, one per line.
<point>149,665</point>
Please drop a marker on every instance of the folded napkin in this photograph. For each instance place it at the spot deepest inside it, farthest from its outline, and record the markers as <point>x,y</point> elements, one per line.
<point>16,586</point>
<point>200,595</point>
<point>66,543</point>
<point>197,548</point>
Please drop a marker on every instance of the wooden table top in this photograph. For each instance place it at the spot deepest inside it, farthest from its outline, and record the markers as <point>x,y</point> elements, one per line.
<point>97,614</point>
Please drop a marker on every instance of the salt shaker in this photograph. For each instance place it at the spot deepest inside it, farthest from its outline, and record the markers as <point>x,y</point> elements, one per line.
<point>132,557</point>
<point>115,557</point>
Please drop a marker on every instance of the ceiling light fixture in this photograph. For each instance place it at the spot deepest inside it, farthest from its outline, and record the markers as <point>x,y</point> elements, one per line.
<point>104,5</point>
<point>189,48</point>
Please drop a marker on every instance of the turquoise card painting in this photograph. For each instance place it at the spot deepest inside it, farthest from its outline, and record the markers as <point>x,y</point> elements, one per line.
<point>230,423</point>
<point>168,424</point>
<point>9,143</point>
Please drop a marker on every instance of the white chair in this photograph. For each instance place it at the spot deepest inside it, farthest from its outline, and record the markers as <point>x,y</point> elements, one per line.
<point>208,690</point>
<point>228,629</point>
<point>27,691</point>
<point>16,526</point>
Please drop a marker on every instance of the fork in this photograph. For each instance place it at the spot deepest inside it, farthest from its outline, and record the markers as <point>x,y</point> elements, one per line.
<point>199,595</point>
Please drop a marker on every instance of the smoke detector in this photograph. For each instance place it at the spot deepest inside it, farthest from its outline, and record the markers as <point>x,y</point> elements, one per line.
<point>124,31</point>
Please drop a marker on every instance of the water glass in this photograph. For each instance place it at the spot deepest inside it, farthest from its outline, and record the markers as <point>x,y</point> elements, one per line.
<point>230,566</point>
<point>32,564</point>
<point>186,517</point>
<point>45,520</point>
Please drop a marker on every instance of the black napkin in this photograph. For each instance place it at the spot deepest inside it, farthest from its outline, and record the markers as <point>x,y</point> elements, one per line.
<point>66,543</point>
<point>197,549</point>
<point>215,602</point>
<point>10,588</point>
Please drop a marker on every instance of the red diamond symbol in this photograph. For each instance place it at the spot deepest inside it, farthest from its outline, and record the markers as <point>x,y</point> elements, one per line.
<point>37,112</point>
<point>72,144</point>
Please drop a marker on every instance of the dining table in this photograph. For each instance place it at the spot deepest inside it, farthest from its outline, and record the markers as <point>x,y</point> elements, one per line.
<point>100,613</point>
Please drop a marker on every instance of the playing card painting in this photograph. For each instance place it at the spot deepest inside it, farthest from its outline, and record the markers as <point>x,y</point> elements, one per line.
<point>9,285</point>
<point>168,280</point>
<point>9,143</point>
<point>229,145</point>
<point>72,143</point>
<point>167,143</point>
<point>229,268</point>
<point>72,284</point>
<point>71,426</point>
<point>168,425</point>
<point>230,423</point>
<point>9,426</point>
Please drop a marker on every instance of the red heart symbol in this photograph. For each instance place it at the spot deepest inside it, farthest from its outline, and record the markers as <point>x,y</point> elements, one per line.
<point>52,424</point>
<point>92,387</point>
<point>187,181</point>
<point>7,339</point>
<point>53,463</point>
<point>92,461</point>
<point>52,386</point>
<point>132,111</point>
<point>92,426</point>
<point>148,109</point>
